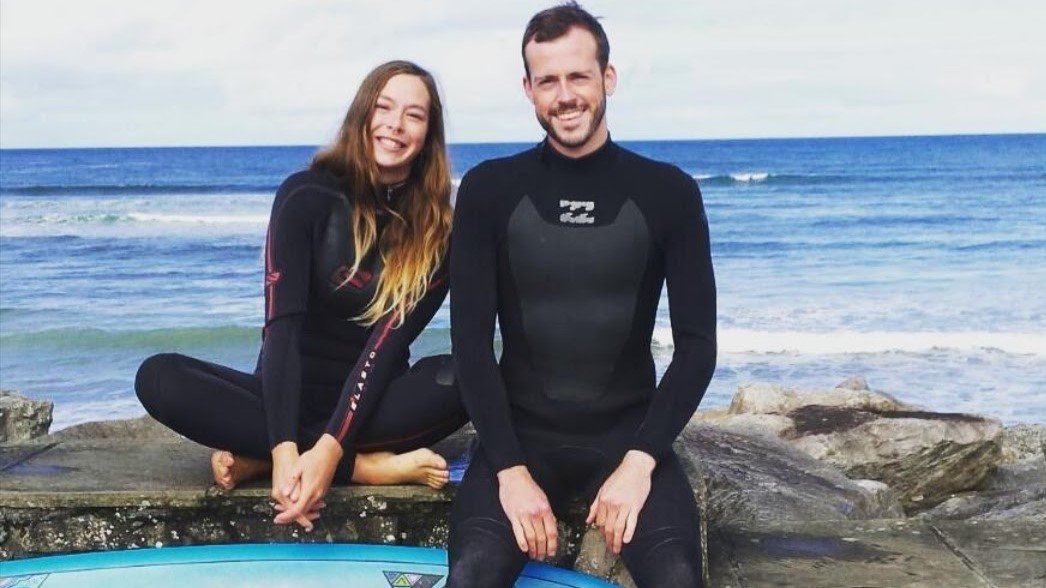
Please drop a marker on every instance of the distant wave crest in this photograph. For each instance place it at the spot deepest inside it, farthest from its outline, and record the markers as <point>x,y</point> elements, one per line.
<point>745,178</point>
<point>132,217</point>
<point>845,342</point>
<point>136,189</point>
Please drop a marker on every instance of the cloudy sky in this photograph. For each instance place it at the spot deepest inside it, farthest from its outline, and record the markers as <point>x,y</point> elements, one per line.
<point>196,72</point>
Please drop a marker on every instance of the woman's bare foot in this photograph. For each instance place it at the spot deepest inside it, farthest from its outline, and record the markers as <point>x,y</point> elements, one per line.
<point>421,466</point>
<point>229,470</point>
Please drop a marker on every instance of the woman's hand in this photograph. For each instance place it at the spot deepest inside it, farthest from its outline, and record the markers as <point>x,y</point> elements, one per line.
<point>309,481</point>
<point>284,461</point>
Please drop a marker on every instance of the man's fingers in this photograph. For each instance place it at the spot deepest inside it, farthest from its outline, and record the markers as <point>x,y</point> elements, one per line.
<point>540,538</point>
<point>601,514</point>
<point>521,539</point>
<point>619,529</point>
<point>551,532</point>
<point>608,526</point>
<point>530,534</point>
<point>592,511</point>
<point>630,527</point>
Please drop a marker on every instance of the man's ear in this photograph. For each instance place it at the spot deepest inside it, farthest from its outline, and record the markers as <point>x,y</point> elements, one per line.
<point>527,89</point>
<point>610,79</point>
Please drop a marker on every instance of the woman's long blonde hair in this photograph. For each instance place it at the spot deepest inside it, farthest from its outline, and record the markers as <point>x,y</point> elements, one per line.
<point>413,244</point>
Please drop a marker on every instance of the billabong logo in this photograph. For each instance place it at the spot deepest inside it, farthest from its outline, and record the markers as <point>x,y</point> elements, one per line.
<point>411,579</point>
<point>571,207</point>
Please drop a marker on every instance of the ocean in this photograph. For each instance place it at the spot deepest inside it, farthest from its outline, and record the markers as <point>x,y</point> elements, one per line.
<point>917,262</point>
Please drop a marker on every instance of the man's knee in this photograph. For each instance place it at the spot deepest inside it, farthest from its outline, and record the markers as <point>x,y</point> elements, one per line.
<point>482,556</point>
<point>664,559</point>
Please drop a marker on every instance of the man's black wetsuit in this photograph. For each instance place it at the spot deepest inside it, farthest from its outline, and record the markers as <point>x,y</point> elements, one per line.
<point>319,371</point>
<point>571,256</point>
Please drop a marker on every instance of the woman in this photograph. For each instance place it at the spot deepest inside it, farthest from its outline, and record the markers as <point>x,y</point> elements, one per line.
<point>354,270</point>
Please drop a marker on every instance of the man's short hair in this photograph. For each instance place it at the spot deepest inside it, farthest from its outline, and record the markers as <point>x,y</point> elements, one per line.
<point>552,23</point>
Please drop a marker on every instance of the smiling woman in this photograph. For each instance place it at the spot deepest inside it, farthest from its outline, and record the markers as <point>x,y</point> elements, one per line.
<point>354,270</point>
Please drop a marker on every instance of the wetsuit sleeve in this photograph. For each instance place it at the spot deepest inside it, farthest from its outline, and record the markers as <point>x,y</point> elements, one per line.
<point>473,310</point>
<point>692,309</point>
<point>288,257</point>
<point>374,369</point>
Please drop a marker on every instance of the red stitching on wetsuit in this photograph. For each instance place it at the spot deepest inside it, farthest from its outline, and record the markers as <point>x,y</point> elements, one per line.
<point>360,383</point>
<point>271,276</point>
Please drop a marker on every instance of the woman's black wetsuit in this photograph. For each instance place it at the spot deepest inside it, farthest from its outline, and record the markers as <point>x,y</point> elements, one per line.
<point>319,371</point>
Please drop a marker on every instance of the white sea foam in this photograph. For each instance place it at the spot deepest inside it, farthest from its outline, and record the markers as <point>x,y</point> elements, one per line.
<point>843,342</point>
<point>217,219</point>
<point>750,176</point>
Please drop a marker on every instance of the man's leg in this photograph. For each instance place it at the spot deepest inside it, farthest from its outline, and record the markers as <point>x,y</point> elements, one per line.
<point>666,548</point>
<point>482,548</point>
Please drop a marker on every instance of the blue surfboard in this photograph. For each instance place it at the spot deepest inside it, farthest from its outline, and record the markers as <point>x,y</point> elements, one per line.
<point>263,566</point>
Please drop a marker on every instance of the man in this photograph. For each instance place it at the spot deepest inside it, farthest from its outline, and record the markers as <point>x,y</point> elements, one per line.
<point>568,244</point>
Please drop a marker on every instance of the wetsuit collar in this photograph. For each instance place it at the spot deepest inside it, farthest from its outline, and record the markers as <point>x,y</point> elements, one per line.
<point>601,157</point>
<point>390,192</point>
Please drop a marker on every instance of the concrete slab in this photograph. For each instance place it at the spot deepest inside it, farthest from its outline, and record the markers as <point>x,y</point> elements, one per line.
<point>865,554</point>
<point>1007,554</point>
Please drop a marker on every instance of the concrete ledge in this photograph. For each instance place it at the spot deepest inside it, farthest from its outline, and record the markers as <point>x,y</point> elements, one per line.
<point>69,495</point>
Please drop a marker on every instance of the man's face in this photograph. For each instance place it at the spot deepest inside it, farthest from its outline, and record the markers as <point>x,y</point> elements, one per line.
<point>569,91</point>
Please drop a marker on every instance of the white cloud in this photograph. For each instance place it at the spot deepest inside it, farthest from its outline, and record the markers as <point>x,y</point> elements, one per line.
<point>114,72</point>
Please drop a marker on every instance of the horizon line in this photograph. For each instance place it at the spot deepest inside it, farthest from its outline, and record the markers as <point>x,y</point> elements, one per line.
<point>528,142</point>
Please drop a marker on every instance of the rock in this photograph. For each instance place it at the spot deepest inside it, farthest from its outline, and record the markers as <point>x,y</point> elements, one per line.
<point>924,456</point>
<point>771,425</point>
<point>753,479</point>
<point>143,428</point>
<point>1028,504</point>
<point>1013,476</point>
<point>595,559</point>
<point>23,418</point>
<point>853,383</point>
<point>774,399</point>
<point>885,499</point>
<point>1020,442</point>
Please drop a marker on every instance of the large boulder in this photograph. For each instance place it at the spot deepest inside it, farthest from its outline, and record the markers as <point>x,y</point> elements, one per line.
<point>23,418</point>
<point>752,479</point>
<point>780,400</point>
<point>924,456</point>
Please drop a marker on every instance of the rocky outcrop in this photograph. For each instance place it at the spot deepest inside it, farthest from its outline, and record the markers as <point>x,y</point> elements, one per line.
<point>23,418</point>
<point>923,456</point>
<point>753,479</point>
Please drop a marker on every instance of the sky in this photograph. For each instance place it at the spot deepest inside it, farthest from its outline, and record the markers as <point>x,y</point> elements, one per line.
<point>208,72</point>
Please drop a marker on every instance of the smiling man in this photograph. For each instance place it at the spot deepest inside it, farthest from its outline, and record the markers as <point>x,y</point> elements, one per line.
<point>569,244</point>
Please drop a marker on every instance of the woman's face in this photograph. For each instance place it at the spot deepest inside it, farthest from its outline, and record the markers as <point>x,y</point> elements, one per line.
<point>398,126</point>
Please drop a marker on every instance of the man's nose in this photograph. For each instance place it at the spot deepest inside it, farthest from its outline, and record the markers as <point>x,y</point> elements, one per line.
<point>564,93</point>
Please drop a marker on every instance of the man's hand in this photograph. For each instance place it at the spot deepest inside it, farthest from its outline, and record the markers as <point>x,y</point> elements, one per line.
<point>309,482</point>
<point>529,512</point>
<point>616,507</point>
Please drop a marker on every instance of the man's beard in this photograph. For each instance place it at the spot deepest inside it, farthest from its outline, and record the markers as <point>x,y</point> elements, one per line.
<point>597,117</point>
